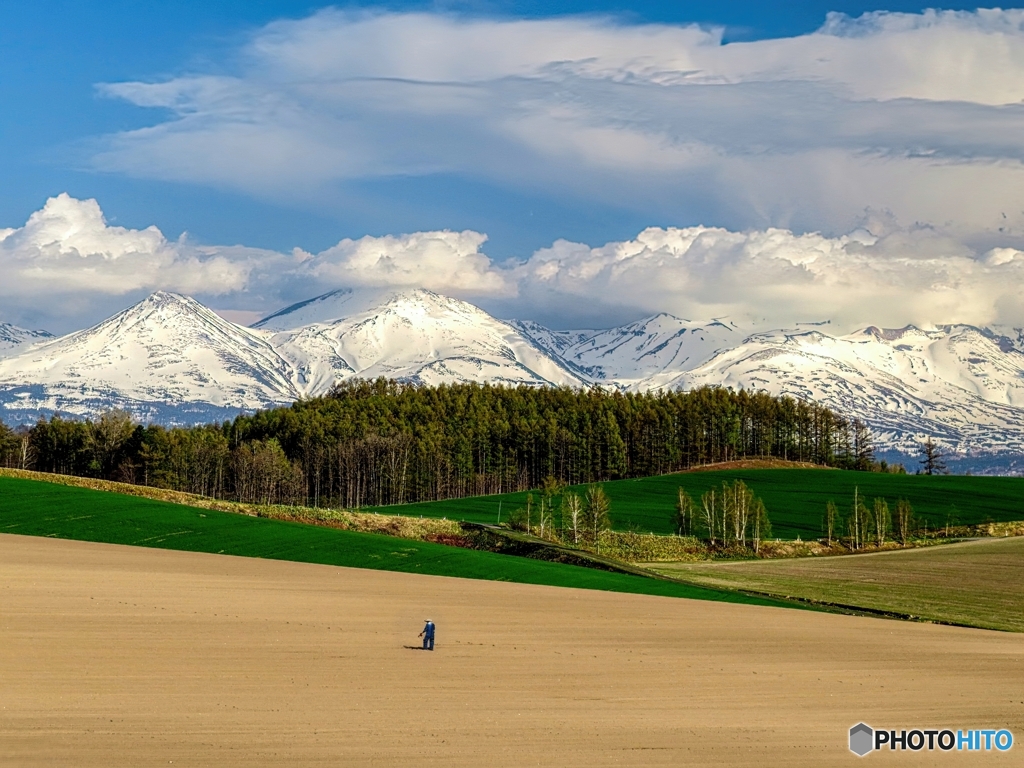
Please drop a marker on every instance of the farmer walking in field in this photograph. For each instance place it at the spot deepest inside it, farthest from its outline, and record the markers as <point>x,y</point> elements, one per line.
<point>428,636</point>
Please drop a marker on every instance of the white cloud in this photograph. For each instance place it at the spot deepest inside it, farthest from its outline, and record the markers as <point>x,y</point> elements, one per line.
<point>774,278</point>
<point>67,262</point>
<point>68,246</point>
<point>442,261</point>
<point>888,110</point>
<point>67,266</point>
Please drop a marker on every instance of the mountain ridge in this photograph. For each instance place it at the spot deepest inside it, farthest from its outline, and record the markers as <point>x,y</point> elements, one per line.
<point>170,358</point>
<point>12,337</point>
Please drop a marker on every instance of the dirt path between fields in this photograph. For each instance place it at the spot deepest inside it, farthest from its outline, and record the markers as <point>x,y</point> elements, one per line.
<point>115,656</point>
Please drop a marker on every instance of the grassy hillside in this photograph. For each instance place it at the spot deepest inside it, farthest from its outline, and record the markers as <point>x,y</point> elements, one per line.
<point>43,509</point>
<point>978,583</point>
<point>795,498</point>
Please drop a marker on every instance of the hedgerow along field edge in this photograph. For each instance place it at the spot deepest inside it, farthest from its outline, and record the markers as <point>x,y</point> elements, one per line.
<point>36,508</point>
<point>795,498</point>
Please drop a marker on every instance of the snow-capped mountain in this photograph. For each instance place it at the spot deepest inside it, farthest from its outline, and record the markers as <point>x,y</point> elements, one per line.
<point>13,338</point>
<point>170,359</point>
<point>415,336</point>
<point>956,384</point>
<point>554,342</point>
<point>166,358</point>
<point>326,308</point>
<point>640,354</point>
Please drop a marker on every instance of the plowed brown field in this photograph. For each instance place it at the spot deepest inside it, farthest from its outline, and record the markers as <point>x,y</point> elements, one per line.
<point>116,656</point>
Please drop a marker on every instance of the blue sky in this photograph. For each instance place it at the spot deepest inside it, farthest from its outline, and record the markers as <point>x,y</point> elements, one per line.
<point>55,53</point>
<point>884,144</point>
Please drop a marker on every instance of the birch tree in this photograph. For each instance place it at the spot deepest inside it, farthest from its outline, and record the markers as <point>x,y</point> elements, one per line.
<point>709,513</point>
<point>859,526</point>
<point>684,513</point>
<point>572,515</point>
<point>597,509</point>
<point>904,521</point>
<point>762,526</point>
<point>831,521</point>
<point>883,521</point>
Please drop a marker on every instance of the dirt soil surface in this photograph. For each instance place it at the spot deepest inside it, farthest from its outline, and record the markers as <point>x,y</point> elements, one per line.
<point>114,656</point>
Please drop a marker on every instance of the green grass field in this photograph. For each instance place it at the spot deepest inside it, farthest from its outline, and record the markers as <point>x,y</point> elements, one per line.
<point>795,498</point>
<point>36,508</point>
<point>977,583</point>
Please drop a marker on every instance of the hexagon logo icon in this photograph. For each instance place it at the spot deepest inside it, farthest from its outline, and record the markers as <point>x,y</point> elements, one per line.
<point>862,738</point>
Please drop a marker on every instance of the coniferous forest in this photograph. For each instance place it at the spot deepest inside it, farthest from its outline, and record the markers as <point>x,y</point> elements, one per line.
<point>380,442</point>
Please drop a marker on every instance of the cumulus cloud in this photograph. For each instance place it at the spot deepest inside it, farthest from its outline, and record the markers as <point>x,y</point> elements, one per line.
<point>68,246</point>
<point>67,265</point>
<point>896,111</point>
<point>442,261</point>
<point>771,278</point>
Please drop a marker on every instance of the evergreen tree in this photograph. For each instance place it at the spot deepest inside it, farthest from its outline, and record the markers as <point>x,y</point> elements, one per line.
<point>385,442</point>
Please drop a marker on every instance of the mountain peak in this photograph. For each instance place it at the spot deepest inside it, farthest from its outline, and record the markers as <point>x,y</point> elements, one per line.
<point>891,334</point>
<point>169,299</point>
<point>166,350</point>
<point>343,303</point>
<point>13,337</point>
<point>170,354</point>
<point>164,309</point>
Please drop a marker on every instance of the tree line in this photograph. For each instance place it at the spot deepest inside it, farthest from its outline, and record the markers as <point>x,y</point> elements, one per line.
<point>371,443</point>
<point>729,517</point>
<point>872,525</point>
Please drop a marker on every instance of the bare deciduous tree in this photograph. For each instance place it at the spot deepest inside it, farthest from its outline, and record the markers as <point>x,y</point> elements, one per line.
<point>597,510</point>
<point>684,513</point>
<point>831,521</point>
<point>709,513</point>
<point>572,515</point>
<point>883,521</point>
<point>904,521</point>
<point>931,458</point>
<point>859,526</point>
<point>762,527</point>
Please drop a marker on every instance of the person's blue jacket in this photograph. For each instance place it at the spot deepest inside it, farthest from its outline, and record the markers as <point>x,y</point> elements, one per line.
<point>428,630</point>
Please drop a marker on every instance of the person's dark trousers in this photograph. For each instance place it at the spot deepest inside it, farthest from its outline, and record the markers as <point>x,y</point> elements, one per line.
<point>428,642</point>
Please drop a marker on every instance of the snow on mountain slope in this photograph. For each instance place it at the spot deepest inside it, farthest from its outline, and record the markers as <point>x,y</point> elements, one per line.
<point>167,350</point>
<point>957,383</point>
<point>326,308</point>
<point>12,338</point>
<point>416,336</point>
<point>642,353</point>
<point>553,342</point>
<point>1007,337</point>
<point>637,355</point>
<point>170,359</point>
